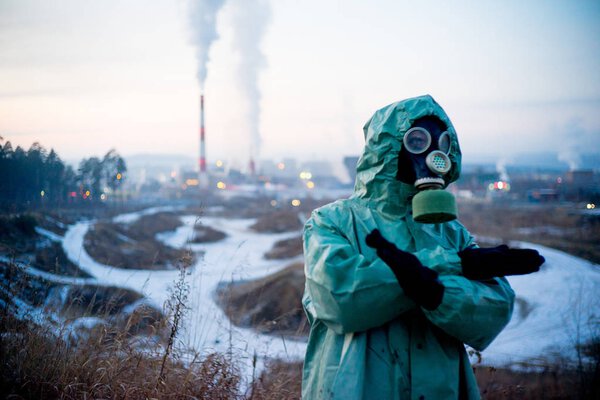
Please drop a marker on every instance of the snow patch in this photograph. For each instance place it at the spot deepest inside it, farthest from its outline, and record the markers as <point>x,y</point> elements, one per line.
<point>557,307</point>
<point>50,235</point>
<point>564,313</point>
<point>206,328</point>
<point>134,216</point>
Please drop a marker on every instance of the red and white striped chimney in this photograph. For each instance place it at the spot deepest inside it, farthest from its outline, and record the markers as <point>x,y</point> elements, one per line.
<point>202,176</point>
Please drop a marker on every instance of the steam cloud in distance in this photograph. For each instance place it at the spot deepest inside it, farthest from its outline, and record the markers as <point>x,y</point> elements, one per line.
<point>250,20</point>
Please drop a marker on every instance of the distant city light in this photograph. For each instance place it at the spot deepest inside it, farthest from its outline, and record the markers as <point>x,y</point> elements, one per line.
<point>590,206</point>
<point>273,203</point>
<point>42,193</point>
<point>305,175</point>
<point>191,182</point>
<point>73,194</point>
<point>559,180</point>
<point>219,163</point>
<point>173,174</point>
<point>87,193</point>
<point>295,202</point>
<point>119,176</point>
<point>310,184</point>
<point>183,186</point>
<point>281,166</point>
<point>103,196</point>
<point>221,185</point>
<point>500,185</point>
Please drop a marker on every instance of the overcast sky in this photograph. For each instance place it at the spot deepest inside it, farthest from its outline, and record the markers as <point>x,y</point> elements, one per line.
<point>85,76</point>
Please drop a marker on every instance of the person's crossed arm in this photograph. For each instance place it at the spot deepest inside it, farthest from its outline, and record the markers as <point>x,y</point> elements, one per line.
<point>461,305</point>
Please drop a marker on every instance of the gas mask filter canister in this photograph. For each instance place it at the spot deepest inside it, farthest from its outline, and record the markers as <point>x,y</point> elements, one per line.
<point>431,204</point>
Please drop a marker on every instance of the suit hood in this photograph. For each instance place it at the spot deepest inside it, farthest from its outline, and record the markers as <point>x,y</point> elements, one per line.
<point>377,167</point>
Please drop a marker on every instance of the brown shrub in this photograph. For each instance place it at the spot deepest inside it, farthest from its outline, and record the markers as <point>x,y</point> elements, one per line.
<point>495,384</point>
<point>17,233</point>
<point>271,305</point>
<point>16,284</point>
<point>110,244</point>
<point>37,364</point>
<point>91,300</point>
<point>278,222</point>
<point>559,227</point>
<point>46,360</point>
<point>279,381</point>
<point>147,226</point>
<point>285,248</point>
<point>53,259</point>
<point>206,234</point>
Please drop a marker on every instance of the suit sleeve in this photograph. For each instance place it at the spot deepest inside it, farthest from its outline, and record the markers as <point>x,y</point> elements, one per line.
<point>345,290</point>
<point>474,312</point>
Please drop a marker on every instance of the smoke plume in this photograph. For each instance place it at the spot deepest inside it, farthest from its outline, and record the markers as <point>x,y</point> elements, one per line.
<point>203,18</point>
<point>573,143</point>
<point>250,19</point>
<point>571,157</point>
<point>501,169</point>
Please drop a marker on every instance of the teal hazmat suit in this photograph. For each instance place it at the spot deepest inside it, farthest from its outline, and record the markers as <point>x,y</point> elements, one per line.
<point>367,339</point>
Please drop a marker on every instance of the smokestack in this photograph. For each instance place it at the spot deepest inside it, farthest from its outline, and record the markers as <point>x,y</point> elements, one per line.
<point>252,167</point>
<point>202,176</point>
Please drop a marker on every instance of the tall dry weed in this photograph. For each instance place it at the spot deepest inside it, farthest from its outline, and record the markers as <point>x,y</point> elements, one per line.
<point>43,359</point>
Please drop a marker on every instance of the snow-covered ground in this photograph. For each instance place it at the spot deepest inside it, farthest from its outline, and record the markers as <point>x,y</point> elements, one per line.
<point>237,257</point>
<point>557,307</point>
<point>134,216</point>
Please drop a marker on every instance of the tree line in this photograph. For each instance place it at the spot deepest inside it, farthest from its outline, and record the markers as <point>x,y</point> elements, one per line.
<point>38,177</point>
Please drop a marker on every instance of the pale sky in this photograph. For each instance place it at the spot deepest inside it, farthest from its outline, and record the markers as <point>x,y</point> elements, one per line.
<point>85,76</point>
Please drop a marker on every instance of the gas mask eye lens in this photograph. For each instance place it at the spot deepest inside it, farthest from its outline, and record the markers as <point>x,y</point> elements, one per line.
<point>417,140</point>
<point>444,142</point>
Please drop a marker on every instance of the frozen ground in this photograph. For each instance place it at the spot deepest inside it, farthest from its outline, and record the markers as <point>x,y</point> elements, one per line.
<point>237,257</point>
<point>556,308</point>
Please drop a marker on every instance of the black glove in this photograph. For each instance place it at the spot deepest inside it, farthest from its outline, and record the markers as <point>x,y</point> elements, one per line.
<point>487,263</point>
<point>419,283</point>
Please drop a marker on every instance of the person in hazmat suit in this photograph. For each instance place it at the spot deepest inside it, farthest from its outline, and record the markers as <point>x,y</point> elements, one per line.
<point>395,285</point>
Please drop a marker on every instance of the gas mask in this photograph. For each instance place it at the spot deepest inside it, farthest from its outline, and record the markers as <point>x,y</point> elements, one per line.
<point>423,162</point>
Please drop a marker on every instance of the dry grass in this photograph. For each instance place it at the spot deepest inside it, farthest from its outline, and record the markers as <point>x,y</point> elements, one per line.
<point>147,226</point>
<point>282,380</point>
<point>559,227</point>
<point>52,358</point>
<point>53,259</point>
<point>206,234</point>
<point>17,234</point>
<point>43,361</point>
<point>279,381</point>
<point>37,364</point>
<point>555,383</point>
<point>133,247</point>
<point>112,361</point>
<point>271,305</point>
<point>278,222</point>
<point>285,248</point>
<point>125,356</point>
